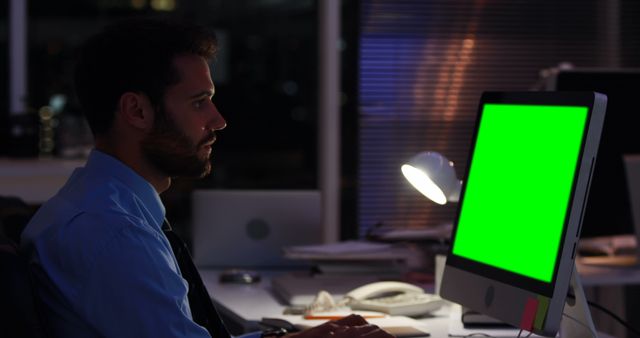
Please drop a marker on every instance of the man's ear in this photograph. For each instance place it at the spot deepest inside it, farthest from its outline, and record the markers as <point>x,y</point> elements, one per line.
<point>136,110</point>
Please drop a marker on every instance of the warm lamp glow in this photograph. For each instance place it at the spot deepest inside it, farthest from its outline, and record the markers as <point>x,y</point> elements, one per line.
<point>433,176</point>
<point>421,181</point>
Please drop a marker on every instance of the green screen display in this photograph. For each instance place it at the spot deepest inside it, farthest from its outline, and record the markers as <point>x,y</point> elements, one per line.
<point>519,186</point>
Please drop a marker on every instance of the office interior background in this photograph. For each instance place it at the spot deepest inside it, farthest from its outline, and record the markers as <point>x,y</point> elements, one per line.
<point>412,72</point>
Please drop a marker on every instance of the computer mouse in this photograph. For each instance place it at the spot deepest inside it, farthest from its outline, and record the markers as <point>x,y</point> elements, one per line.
<point>239,276</point>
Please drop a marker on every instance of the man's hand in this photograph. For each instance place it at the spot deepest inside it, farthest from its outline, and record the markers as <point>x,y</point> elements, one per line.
<point>347,327</point>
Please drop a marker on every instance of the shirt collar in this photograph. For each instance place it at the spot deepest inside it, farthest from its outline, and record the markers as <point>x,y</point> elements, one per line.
<point>108,165</point>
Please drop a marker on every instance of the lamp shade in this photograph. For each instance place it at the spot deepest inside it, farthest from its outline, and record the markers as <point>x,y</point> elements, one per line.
<point>434,176</point>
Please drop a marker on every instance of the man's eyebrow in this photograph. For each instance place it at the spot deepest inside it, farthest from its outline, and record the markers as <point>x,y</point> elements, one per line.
<point>204,93</point>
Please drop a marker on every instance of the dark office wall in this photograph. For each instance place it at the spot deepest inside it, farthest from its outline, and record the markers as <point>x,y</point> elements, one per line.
<point>4,73</point>
<point>265,75</point>
<point>424,64</point>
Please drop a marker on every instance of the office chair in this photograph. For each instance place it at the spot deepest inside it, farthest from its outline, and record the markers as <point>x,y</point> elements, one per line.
<point>14,216</point>
<point>18,314</point>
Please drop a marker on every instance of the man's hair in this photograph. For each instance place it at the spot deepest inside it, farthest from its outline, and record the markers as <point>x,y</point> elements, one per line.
<point>135,55</point>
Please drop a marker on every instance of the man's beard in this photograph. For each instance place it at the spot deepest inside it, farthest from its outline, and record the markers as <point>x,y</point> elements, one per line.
<point>172,152</point>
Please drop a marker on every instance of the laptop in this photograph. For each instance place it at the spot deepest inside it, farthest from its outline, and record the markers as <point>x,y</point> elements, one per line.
<point>250,228</point>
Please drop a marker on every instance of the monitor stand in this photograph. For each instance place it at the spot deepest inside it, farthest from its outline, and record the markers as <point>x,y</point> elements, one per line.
<point>576,318</point>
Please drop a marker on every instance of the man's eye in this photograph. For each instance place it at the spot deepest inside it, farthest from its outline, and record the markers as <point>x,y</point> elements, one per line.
<point>198,103</point>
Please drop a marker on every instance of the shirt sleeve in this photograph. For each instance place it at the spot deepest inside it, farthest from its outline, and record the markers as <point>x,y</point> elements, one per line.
<point>134,289</point>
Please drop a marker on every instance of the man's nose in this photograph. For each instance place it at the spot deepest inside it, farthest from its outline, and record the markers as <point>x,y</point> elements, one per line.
<point>218,122</point>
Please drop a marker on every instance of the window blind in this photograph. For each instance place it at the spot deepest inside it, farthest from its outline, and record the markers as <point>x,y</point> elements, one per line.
<point>424,64</point>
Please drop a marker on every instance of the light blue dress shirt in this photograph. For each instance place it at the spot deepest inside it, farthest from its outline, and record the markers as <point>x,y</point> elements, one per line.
<point>103,266</point>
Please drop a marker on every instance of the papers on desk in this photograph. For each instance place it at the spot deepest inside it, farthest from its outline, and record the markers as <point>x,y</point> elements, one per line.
<point>399,326</point>
<point>438,233</point>
<point>354,257</point>
<point>608,245</point>
<point>341,251</point>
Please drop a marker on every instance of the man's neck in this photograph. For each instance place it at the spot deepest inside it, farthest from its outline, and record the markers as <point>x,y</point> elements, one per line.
<point>134,159</point>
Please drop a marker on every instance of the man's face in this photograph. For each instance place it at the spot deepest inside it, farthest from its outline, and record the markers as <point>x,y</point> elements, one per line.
<point>184,128</point>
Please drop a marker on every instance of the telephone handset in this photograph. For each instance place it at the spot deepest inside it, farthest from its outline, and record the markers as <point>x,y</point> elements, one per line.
<point>378,289</point>
<point>394,298</point>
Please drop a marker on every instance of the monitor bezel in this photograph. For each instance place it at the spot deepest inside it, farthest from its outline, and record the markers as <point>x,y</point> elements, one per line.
<point>517,286</point>
<point>573,99</point>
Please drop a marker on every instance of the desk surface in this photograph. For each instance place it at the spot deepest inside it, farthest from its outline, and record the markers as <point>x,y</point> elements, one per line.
<point>35,180</point>
<point>249,303</point>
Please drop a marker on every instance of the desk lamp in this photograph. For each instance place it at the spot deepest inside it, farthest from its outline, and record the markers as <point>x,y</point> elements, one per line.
<point>434,176</point>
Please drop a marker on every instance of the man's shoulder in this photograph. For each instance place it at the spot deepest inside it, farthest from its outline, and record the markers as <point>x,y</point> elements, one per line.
<point>88,213</point>
<point>96,192</point>
<point>87,217</point>
<point>91,234</point>
<point>96,231</point>
<point>104,209</point>
<point>100,194</point>
<point>106,221</point>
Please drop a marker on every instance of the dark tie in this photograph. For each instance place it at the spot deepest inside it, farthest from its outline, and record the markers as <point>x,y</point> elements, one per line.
<point>202,309</point>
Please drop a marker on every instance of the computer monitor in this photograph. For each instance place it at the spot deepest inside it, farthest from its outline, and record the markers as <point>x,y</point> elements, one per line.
<point>608,209</point>
<point>522,201</point>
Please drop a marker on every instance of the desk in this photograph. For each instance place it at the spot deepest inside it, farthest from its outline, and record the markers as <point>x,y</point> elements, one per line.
<point>35,180</point>
<point>244,305</point>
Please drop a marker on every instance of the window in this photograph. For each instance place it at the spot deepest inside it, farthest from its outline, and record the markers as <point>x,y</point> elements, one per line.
<point>424,64</point>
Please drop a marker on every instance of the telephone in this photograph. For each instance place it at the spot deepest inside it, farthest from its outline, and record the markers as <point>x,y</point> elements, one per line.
<point>394,298</point>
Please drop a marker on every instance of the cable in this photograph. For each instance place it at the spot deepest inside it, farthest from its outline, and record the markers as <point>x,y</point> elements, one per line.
<point>520,333</point>
<point>613,315</point>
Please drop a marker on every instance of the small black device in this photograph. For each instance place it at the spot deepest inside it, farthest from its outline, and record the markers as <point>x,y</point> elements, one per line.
<point>239,276</point>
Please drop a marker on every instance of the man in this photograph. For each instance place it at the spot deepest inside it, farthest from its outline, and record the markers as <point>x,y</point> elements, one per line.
<point>103,266</point>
